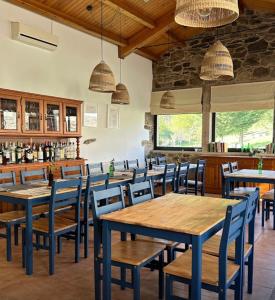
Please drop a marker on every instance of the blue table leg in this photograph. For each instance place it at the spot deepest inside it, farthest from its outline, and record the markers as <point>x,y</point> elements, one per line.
<point>29,248</point>
<point>106,261</point>
<point>274,209</point>
<point>227,187</point>
<point>196,267</point>
<point>86,228</point>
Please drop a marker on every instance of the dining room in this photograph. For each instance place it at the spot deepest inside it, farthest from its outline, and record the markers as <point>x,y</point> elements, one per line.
<point>137,149</point>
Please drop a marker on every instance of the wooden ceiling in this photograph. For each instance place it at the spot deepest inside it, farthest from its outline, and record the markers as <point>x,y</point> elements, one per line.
<point>144,22</point>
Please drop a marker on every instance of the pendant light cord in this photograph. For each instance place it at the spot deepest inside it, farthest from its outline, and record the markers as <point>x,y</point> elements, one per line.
<point>101,27</point>
<point>120,43</point>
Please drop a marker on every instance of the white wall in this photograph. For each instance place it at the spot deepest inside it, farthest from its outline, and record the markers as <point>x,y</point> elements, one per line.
<point>66,73</point>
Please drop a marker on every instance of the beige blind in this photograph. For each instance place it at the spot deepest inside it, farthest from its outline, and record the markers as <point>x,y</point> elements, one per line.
<point>187,101</point>
<point>246,96</point>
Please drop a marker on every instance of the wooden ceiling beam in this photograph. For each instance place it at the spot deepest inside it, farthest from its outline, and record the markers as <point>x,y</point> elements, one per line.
<point>131,12</point>
<point>261,5</point>
<point>146,35</point>
<point>147,54</point>
<point>65,19</point>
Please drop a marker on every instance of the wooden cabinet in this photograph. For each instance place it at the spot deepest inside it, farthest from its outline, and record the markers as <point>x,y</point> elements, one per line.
<point>29,114</point>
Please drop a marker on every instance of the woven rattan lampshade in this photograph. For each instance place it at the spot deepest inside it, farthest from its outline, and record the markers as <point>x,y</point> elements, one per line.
<point>121,95</point>
<point>217,63</point>
<point>206,13</point>
<point>168,101</point>
<point>102,79</point>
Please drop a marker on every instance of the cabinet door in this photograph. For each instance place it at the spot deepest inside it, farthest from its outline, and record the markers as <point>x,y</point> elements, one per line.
<point>10,114</point>
<point>32,116</point>
<point>53,117</point>
<point>72,121</point>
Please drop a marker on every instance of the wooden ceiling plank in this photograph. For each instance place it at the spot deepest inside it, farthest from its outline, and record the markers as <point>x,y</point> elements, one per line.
<point>146,35</point>
<point>65,19</point>
<point>147,54</point>
<point>131,12</point>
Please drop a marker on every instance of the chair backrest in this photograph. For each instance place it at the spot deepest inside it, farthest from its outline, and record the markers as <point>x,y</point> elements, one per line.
<point>7,179</point>
<point>71,172</point>
<point>33,176</point>
<point>140,192</point>
<point>119,165</point>
<point>139,175</point>
<point>65,193</point>
<point>182,175</point>
<point>161,160</point>
<point>94,168</point>
<point>97,182</point>
<point>233,231</point>
<point>234,166</point>
<point>170,171</point>
<point>152,159</point>
<point>200,170</point>
<point>225,169</point>
<point>131,164</point>
<point>251,214</point>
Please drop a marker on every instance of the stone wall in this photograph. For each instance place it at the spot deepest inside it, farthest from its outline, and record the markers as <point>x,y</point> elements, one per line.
<point>250,40</point>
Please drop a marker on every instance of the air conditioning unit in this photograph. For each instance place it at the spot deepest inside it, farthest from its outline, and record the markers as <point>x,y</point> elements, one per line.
<point>33,36</point>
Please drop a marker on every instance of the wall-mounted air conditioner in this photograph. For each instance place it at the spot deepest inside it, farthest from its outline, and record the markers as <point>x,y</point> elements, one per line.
<point>33,36</point>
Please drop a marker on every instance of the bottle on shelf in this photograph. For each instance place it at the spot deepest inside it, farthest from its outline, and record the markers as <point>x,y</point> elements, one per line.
<point>40,153</point>
<point>46,152</point>
<point>1,154</point>
<point>51,151</point>
<point>29,154</point>
<point>73,151</point>
<point>6,154</point>
<point>12,153</point>
<point>35,153</point>
<point>19,153</point>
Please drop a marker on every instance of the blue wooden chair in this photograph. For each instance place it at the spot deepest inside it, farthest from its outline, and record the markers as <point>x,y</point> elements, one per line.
<point>120,165</point>
<point>182,178</point>
<point>53,226</point>
<point>169,177</point>
<point>212,245</point>
<point>142,192</point>
<point>139,175</point>
<point>267,205</point>
<point>33,176</point>
<point>218,273</point>
<point>198,184</point>
<point>131,164</point>
<point>126,254</point>
<point>153,160</point>
<point>161,160</point>
<point>95,168</point>
<point>71,172</point>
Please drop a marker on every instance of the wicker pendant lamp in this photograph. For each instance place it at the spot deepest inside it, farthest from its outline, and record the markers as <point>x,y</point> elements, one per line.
<point>206,13</point>
<point>217,63</point>
<point>102,79</point>
<point>121,94</point>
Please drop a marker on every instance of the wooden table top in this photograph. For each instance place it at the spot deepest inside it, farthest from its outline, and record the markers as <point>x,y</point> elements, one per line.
<point>252,173</point>
<point>175,212</point>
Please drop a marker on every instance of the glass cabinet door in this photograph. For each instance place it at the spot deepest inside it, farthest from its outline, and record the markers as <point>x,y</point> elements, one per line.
<point>53,117</point>
<point>10,114</point>
<point>32,116</point>
<point>72,119</point>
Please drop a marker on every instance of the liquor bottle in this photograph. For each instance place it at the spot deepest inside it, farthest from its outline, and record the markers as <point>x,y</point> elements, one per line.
<point>51,152</point>
<point>40,154</point>
<point>67,151</point>
<point>46,152</point>
<point>35,153</point>
<point>6,154</point>
<point>23,153</point>
<point>29,154</point>
<point>19,153</point>
<point>62,155</point>
<point>1,154</point>
<point>12,153</point>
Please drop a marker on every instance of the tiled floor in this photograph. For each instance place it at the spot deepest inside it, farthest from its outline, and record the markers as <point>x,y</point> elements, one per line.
<point>75,281</point>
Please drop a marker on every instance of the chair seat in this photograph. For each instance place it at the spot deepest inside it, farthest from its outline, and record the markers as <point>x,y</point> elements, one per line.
<point>193,183</point>
<point>42,225</point>
<point>182,267</point>
<point>70,214</point>
<point>12,216</point>
<point>212,245</point>
<point>166,243</point>
<point>134,252</point>
<point>269,195</point>
<point>242,191</point>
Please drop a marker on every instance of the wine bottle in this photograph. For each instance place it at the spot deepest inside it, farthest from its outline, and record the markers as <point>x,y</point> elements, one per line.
<point>19,153</point>
<point>6,154</point>
<point>40,154</point>
<point>35,153</point>
<point>29,154</point>
<point>1,154</point>
<point>12,153</point>
<point>46,152</point>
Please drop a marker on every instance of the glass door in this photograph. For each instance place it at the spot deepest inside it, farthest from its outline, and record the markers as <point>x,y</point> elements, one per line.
<point>32,115</point>
<point>72,120</point>
<point>53,117</point>
<point>10,114</point>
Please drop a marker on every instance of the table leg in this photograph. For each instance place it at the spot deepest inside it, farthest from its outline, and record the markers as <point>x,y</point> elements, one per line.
<point>196,267</point>
<point>274,208</point>
<point>86,228</point>
<point>29,247</point>
<point>107,268</point>
<point>227,187</point>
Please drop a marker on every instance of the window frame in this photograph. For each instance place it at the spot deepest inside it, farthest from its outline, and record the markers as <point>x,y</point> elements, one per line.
<point>167,148</point>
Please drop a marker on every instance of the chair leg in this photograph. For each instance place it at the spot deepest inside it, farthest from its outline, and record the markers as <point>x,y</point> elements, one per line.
<point>8,233</point>
<point>250,273</point>
<point>59,244</point>
<point>37,240</point>
<point>263,212</point>
<point>23,249</point>
<point>168,288</point>
<point>122,277</point>
<point>16,227</point>
<point>161,276</point>
<point>258,205</point>
<point>136,283</point>
<point>97,279</point>
<point>77,243</point>
<point>238,288</point>
<point>51,253</point>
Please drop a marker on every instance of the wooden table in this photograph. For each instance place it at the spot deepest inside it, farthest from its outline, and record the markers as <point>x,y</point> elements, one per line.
<point>181,218</point>
<point>251,175</point>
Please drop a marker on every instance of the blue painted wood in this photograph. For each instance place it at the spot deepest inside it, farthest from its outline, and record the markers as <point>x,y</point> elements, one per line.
<point>182,178</point>
<point>120,165</point>
<point>139,175</point>
<point>27,176</point>
<point>140,192</point>
<point>7,179</point>
<point>94,168</point>
<point>161,160</point>
<point>131,164</point>
<point>153,160</point>
<point>71,172</point>
<point>169,177</point>
<point>199,177</point>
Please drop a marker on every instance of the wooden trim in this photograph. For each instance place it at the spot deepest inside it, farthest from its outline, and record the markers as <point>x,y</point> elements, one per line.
<point>78,108</point>
<point>55,133</point>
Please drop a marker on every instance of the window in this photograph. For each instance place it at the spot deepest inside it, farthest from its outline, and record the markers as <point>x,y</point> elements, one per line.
<point>183,131</point>
<point>238,129</point>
